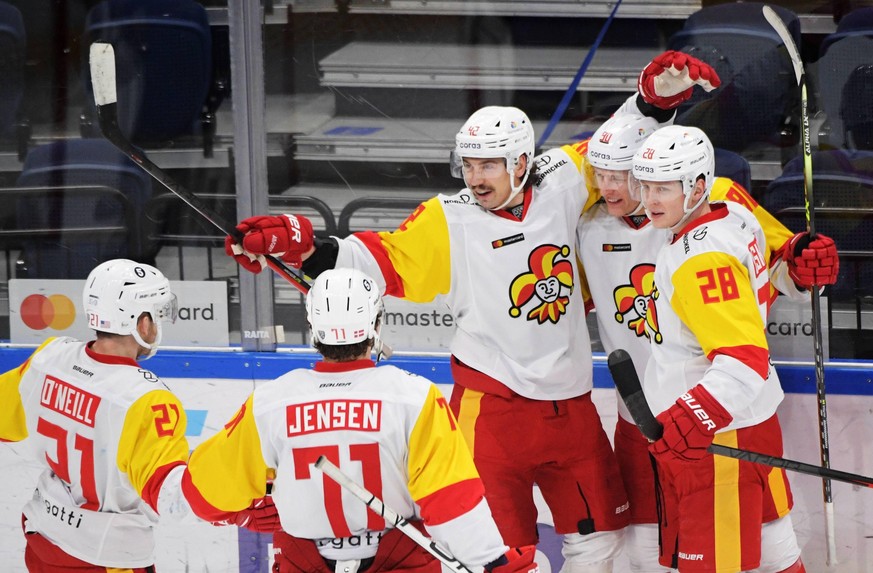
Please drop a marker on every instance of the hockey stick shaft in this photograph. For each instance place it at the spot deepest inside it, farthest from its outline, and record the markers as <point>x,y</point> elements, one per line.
<point>571,89</point>
<point>102,63</point>
<point>809,205</point>
<point>628,384</point>
<point>378,506</point>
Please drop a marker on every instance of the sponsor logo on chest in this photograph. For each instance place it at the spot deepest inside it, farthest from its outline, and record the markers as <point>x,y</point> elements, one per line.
<point>497,243</point>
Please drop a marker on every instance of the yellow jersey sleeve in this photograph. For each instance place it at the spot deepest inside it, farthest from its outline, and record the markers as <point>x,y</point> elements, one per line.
<point>775,233</point>
<point>415,258</point>
<point>13,424</point>
<point>152,442</point>
<point>713,297</point>
<point>227,470</point>
<point>578,153</point>
<point>443,480</point>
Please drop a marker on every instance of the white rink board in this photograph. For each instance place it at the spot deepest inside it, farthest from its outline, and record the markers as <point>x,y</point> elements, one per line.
<point>204,548</point>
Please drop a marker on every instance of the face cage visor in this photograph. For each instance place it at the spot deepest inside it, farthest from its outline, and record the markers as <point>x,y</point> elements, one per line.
<point>169,311</point>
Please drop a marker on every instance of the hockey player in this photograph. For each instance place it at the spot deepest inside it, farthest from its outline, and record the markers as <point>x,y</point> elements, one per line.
<point>390,430</point>
<point>618,246</point>
<point>110,435</point>
<point>502,253</point>
<point>710,377</point>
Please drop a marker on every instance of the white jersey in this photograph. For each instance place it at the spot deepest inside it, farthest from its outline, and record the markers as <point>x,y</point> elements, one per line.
<point>709,313</point>
<point>108,432</point>
<point>512,285</point>
<point>390,431</point>
<point>618,257</point>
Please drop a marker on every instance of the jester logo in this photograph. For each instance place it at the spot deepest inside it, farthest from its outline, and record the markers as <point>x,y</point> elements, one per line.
<point>633,301</point>
<point>549,281</point>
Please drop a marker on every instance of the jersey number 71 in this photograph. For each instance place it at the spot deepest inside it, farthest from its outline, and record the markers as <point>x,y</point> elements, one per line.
<point>368,456</point>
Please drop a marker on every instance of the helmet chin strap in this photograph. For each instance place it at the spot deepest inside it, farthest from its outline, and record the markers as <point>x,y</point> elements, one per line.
<point>688,211</point>
<point>513,191</point>
<point>153,347</point>
<point>639,210</point>
<point>382,350</point>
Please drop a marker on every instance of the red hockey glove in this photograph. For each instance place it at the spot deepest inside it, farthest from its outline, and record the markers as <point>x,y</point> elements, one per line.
<point>261,516</point>
<point>812,261</point>
<point>286,236</point>
<point>670,78</point>
<point>689,426</point>
<point>248,261</point>
<point>516,560</point>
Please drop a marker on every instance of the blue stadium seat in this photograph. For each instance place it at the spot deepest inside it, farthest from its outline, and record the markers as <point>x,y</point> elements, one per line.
<point>733,166</point>
<point>758,91</point>
<point>856,110</point>
<point>163,52</point>
<point>840,54</point>
<point>858,22</point>
<point>92,196</point>
<point>843,200</point>
<point>13,43</point>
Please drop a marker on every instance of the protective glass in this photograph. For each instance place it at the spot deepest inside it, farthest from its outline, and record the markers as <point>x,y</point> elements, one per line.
<point>633,186</point>
<point>456,164</point>
<point>610,178</point>
<point>485,170</point>
<point>169,311</point>
<point>658,191</point>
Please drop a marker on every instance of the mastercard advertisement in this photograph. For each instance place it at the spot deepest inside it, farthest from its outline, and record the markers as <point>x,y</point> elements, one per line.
<point>39,309</point>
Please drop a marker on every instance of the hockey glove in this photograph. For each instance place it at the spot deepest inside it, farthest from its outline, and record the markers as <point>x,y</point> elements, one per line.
<point>261,516</point>
<point>689,426</point>
<point>669,79</point>
<point>288,237</point>
<point>812,261</point>
<point>516,560</point>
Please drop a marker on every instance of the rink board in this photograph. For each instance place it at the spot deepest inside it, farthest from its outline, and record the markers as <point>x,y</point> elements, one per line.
<point>212,385</point>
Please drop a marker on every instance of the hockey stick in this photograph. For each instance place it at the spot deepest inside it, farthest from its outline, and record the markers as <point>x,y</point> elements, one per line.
<point>824,443</point>
<point>102,62</point>
<point>628,384</point>
<point>377,506</point>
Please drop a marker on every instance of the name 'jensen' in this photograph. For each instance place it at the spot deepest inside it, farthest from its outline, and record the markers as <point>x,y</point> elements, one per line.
<point>330,415</point>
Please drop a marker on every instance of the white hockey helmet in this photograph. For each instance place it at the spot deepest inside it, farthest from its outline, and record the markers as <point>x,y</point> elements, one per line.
<point>677,153</point>
<point>496,132</point>
<point>614,143</point>
<point>119,291</point>
<point>342,307</point>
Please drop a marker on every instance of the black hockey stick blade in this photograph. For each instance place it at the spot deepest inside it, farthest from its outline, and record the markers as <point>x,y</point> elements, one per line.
<point>628,383</point>
<point>793,465</point>
<point>621,366</point>
<point>102,64</point>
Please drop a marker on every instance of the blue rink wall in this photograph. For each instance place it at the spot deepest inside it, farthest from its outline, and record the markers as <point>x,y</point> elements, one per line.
<point>212,385</point>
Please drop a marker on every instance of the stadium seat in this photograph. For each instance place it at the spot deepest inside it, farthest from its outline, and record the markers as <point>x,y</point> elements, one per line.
<point>856,111</point>
<point>758,92</point>
<point>12,46</point>
<point>857,22</point>
<point>843,201</point>
<point>840,55</point>
<point>733,166</point>
<point>163,52</point>
<point>86,203</point>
